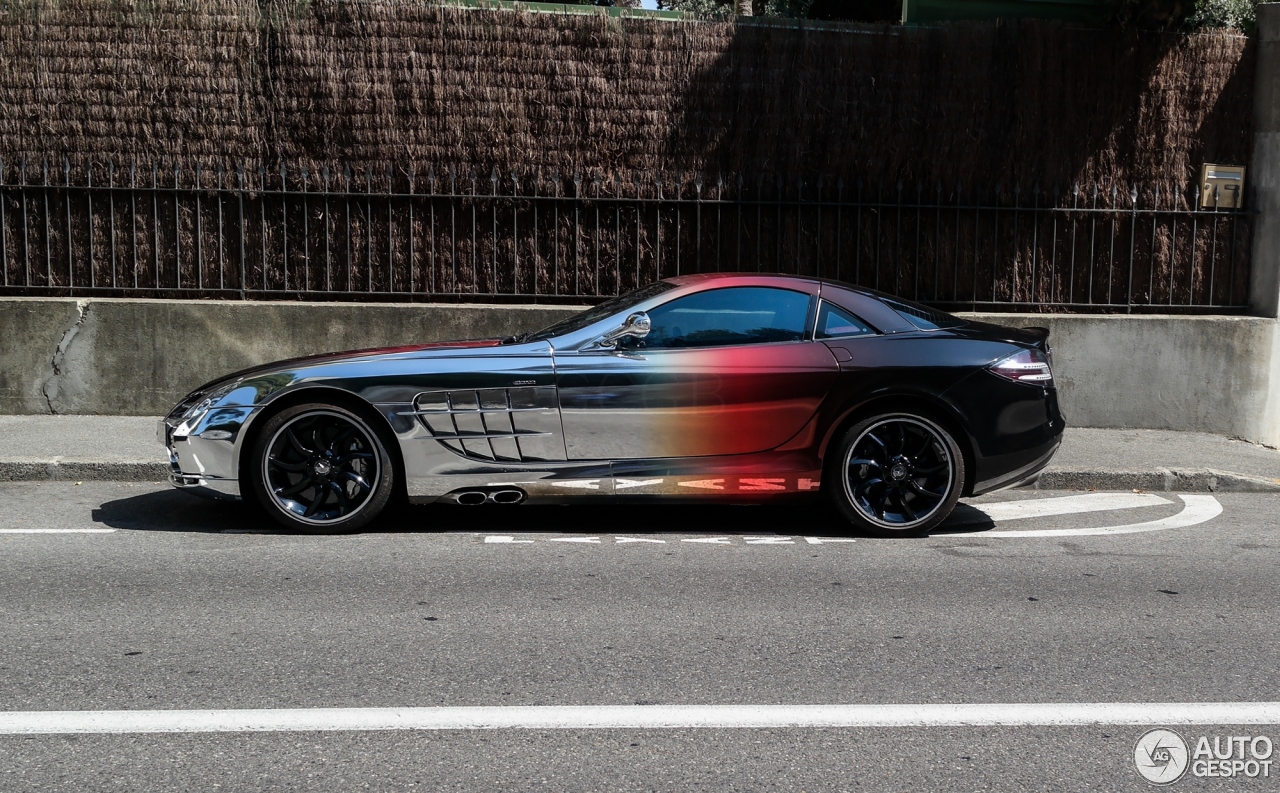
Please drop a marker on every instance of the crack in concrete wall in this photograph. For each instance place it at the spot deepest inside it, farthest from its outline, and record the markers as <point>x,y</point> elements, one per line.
<point>52,384</point>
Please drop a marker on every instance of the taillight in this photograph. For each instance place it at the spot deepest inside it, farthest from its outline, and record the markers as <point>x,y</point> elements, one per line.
<point>1025,366</point>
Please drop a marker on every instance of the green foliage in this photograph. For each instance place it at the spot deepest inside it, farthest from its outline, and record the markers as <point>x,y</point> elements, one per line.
<point>721,9</point>
<point>1217,14</point>
<point>1184,15</point>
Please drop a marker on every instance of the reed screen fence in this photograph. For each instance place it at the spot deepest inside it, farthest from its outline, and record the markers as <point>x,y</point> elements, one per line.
<point>557,237</point>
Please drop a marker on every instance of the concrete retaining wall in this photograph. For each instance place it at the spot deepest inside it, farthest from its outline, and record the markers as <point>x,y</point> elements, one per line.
<point>138,357</point>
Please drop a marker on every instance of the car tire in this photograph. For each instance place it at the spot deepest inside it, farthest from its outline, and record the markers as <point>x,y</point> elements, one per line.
<point>321,469</point>
<point>896,474</point>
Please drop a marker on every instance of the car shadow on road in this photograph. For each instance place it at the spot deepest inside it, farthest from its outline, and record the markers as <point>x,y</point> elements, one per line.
<point>174,511</point>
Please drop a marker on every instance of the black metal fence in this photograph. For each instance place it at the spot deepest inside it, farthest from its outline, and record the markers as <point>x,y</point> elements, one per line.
<point>427,235</point>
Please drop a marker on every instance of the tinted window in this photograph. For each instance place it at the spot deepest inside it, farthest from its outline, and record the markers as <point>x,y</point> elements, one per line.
<point>742,315</point>
<point>593,315</point>
<point>922,317</point>
<point>834,323</point>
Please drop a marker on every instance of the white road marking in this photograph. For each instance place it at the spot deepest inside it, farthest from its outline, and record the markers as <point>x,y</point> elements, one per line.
<point>711,540</point>
<point>622,540</point>
<point>502,539</point>
<point>825,540</point>
<point>627,484</point>
<point>769,541</point>
<point>1049,714</point>
<point>56,531</point>
<point>587,540</point>
<point>579,484</point>
<point>1067,505</point>
<point>761,485</point>
<point>1198,509</point>
<point>705,484</point>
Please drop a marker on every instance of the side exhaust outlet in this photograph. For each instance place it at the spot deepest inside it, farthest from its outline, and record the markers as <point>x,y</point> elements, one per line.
<point>507,496</point>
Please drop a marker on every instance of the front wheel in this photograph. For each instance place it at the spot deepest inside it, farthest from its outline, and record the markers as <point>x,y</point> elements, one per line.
<point>896,475</point>
<point>321,469</point>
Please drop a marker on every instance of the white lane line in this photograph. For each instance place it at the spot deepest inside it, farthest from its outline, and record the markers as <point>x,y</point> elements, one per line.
<point>57,531</point>
<point>504,539</point>
<point>1052,714</point>
<point>1067,505</point>
<point>1198,509</point>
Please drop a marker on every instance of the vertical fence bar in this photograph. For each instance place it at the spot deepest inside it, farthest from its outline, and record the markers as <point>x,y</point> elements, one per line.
<point>284,226</point>
<point>1093,233</point>
<point>242,235</point>
<point>66,205</point>
<point>26,234</point>
<point>262,226</point>
<point>937,240</point>
<point>759,218</point>
<point>1133,231</point>
<point>493,267</point>
<point>48,235</point>
<point>155,221</point>
<point>199,229</point>
<point>88,194</point>
<point>915,280</point>
<point>431,212</point>
<point>133,216</point>
<point>4,228</point>
<point>1017,248</point>
<point>346,203</point>
<point>1071,276</point>
<point>1194,209</point>
<point>391,253</point>
<point>515,233</point>
<point>368,227</point>
<point>1111,258</point>
<point>955,267</point>
<point>595,183</point>
<point>679,197</point>
<point>222,264</point>
<point>327,220</point>
<point>111,211</point>
<point>177,231</point>
<point>306,231</point>
<point>413,258</point>
<point>995,244</point>
<point>1151,263</point>
<point>1035,239</point>
<point>1213,250</point>
<point>577,224</point>
<point>475,270</point>
<point>840,227</point>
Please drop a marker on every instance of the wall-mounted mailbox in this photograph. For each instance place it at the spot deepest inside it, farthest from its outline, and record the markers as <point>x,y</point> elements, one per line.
<point>1221,186</point>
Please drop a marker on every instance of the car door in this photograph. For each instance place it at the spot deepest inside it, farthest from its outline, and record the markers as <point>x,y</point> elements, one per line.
<point>722,371</point>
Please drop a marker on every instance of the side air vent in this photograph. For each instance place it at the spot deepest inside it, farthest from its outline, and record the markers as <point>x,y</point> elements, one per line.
<point>518,425</point>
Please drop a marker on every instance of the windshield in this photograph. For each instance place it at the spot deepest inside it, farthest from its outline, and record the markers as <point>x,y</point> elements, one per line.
<point>594,315</point>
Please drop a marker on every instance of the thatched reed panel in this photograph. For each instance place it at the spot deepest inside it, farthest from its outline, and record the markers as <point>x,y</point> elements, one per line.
<point>875,153</point>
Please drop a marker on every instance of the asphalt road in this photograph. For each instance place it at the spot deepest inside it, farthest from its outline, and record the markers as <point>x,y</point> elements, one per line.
<point>196,605</point>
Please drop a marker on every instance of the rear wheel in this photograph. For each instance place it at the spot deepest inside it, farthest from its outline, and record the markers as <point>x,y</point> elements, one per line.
<point>896,475</point>
<point>321,469</point>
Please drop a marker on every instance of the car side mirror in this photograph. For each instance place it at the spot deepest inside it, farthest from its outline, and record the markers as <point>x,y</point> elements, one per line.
<point>636,326</point>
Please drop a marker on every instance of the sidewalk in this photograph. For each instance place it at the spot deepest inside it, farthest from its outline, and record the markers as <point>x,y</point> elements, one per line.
<point>124,448</point>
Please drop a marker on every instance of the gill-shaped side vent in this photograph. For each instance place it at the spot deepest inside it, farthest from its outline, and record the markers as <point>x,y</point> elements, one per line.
<point>498,424</point>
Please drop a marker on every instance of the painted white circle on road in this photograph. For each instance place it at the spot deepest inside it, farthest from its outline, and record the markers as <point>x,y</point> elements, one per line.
<point>1197,509</point>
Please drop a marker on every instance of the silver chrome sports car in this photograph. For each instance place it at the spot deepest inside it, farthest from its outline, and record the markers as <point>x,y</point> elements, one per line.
<point>739,387</point>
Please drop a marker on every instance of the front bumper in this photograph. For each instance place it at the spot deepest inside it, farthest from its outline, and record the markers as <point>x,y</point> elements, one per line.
<point>203,452</point>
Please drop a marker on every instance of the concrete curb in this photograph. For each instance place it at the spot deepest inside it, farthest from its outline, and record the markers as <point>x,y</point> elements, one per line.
<point>58,470</point>
<point>1160,480</point>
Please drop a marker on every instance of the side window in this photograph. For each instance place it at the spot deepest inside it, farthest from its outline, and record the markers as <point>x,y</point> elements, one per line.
<point>836,323</point>
<point>720,317</point>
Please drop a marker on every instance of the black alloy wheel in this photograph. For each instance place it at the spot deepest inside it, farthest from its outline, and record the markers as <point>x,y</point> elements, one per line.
<point>321,469</point>
<point>897,475</point>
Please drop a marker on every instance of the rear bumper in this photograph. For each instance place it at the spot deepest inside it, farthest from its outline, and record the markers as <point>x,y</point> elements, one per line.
<point>1011,470</point>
